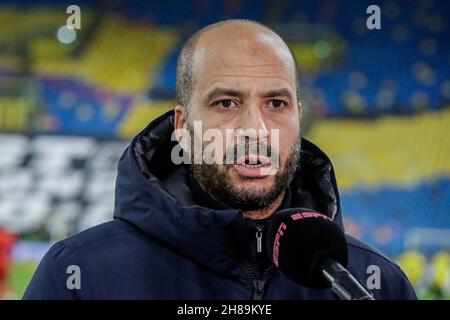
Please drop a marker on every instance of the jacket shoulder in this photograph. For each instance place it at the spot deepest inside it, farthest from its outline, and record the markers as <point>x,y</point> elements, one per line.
<point>358,245</point>
<point>64,271</point>
<point>58,276</point>
<point>104,232</point>
<point>383,277</point>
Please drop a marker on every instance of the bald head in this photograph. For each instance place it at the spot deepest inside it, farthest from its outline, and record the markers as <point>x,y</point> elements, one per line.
<point>226,42</point>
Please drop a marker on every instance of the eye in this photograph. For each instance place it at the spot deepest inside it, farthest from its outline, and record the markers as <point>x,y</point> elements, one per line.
<point>226,104</point>
<point>277,104</point>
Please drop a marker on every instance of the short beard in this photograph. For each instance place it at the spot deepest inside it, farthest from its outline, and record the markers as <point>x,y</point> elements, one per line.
<point>217,182</point>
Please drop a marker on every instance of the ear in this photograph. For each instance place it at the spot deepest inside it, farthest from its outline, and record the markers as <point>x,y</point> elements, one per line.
<point>180,120</point>
<point>299,106</point>
<point>180,128</point>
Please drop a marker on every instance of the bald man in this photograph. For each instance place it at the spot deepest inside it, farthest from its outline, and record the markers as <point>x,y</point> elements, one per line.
<point>198,187</point>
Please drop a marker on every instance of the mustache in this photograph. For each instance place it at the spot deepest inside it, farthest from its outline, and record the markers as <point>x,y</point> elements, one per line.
<point>249,148</point>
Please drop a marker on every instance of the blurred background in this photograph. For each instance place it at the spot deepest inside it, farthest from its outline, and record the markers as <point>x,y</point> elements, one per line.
<point>376,101</point>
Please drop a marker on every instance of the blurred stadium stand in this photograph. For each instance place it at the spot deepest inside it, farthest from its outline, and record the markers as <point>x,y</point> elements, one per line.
<point>53,186</point>
<point>376,101</point>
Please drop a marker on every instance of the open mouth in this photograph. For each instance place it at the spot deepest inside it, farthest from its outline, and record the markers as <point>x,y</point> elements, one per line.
<point>253,166</point>
<point>253,161</point>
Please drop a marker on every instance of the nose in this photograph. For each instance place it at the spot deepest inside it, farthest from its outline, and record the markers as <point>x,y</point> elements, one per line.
<point>253,123</point>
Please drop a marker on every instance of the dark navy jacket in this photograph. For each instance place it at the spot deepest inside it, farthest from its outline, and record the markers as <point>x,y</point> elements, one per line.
<point>163,245</point>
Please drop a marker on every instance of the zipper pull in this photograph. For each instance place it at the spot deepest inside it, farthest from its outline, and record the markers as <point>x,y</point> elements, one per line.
<point>259,289</point>
<point>259,238</point>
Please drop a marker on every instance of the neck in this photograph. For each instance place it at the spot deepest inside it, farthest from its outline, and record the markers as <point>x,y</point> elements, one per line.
<point>266,212</point>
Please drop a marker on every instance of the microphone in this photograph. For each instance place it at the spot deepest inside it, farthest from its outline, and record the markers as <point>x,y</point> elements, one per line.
<point>311,250</point>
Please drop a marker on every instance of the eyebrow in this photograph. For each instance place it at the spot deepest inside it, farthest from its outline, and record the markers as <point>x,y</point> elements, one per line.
<point>283,92</point>
<point>218,92</point>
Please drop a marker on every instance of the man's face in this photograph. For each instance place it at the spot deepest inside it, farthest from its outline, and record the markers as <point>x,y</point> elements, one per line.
<point>246,83</point>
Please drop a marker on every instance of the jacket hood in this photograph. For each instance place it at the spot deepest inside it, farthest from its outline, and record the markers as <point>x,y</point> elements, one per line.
<point>199,233</point>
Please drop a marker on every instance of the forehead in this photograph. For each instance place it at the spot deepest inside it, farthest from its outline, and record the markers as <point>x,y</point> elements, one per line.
<point>243,57</point>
